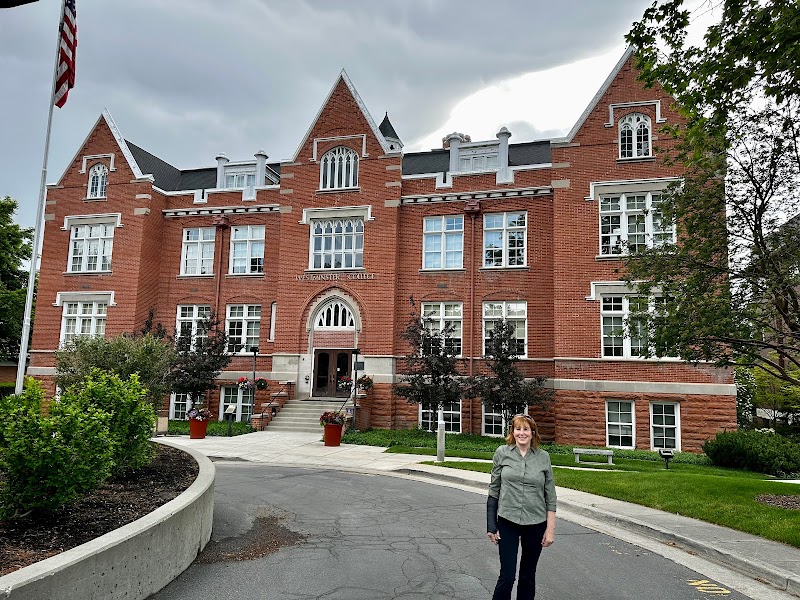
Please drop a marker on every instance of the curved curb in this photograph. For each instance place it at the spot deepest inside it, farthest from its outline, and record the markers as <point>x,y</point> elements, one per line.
<point>131,562</point>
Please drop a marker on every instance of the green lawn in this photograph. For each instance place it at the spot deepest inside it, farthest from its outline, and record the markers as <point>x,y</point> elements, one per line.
<point>691,487</point>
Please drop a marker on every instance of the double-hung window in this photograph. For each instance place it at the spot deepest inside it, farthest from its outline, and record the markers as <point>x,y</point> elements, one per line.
<point>192,322</point>
<point>624,325</point>
<point>337,243</point>
<point>243,326</point>
<point>443,242</point>
<point>619,424</point>
<point>514,312</point>
<point>665,425</point>
<point>197,254</point>
<point>179,405</point>
<point>90,247</point>
<point>428,419</point>
<point>443,320</point>
<point>83,318</point>
<point>247,250</point>
<point>504,239</point>
<point>482,158</point>
<point>232,395</point>
<point>630,223</point>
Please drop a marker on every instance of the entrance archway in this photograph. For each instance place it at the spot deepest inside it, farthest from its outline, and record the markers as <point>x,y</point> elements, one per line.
<point>333,327</point>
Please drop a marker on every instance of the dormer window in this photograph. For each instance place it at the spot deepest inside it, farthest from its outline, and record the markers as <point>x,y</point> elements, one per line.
<point>338,169</point>
<point>98,178</point>
<point>484,158</point>
<point>634,136</point>
<point>240,180</point>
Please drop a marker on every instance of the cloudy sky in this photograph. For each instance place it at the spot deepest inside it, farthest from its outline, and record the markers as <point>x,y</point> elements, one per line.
<point>186,79</point>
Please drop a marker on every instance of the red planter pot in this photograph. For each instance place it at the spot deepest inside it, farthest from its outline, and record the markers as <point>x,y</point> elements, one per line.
<point>332,435</point>
<point>197,429</point>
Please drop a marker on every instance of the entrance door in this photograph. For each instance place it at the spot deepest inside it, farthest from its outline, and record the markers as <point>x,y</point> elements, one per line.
<point>329,367</point>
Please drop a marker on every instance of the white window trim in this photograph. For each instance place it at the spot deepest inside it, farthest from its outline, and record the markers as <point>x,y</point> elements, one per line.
<point>624,213</point>
<point>94,157</point>
<point>484,412</point>
<point>82,299</point>
<point>361,136</point>
<point>249,257</point>
<point>173,402</point>
<point>505,231</point>
<point>194,320</point>
<point>273,313</point>
<point>435,417</point>
<point>245,320</point>
<point>363,211</point>
<point>442,320</point>
<point>478,149</point>
<point>62,297</point>
<point>72,220</point>
<point>85,256</point>
<point>634,130</point>
<point>198,242</point>
<point>677,404</point>
<point>352,158</point>
<point>505,312</point>
<point>443,233</point>
<point>104,172</point>
<point>633,424</point>
<point>324,269</point>
<point>625,313</point>
<point>239,403</point>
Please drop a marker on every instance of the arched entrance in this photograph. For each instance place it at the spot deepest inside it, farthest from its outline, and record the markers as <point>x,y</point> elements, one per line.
<point>333,337</point>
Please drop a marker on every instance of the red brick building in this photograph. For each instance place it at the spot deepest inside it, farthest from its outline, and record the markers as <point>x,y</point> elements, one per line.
<point>310,258</point>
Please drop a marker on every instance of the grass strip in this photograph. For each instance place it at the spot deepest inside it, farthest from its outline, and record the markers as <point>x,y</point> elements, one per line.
<point>215,428</point>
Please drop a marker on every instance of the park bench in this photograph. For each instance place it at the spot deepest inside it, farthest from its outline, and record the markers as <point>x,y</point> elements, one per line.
<point>593,451</point>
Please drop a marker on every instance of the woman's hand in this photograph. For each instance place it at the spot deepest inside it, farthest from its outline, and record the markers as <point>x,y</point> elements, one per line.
<point>549,537</point>
<point>494,537</point>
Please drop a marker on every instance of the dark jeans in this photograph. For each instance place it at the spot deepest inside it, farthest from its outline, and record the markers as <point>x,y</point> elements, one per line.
<point>511,535</point>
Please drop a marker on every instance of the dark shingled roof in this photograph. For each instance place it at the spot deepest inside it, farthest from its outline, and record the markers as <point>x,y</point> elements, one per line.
<point>386,128</point>
<point>167,177</point>
<point>198,179</point>
<point>438,161</point>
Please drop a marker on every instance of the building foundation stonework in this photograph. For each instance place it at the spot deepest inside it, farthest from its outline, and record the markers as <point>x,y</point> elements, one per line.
<point>308,259</point>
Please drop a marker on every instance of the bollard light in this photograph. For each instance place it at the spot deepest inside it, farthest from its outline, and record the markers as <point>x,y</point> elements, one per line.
<point>229,412</point>
<point>667,455</point>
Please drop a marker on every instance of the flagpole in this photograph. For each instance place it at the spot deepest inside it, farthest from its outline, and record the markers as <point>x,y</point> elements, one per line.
<point>39,230</point>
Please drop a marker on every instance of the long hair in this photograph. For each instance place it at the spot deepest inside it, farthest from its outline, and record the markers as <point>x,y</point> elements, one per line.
<point>519,421</point>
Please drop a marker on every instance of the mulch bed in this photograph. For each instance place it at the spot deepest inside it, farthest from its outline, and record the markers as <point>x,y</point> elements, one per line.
<point>778,501</point>
<point>117,502</point>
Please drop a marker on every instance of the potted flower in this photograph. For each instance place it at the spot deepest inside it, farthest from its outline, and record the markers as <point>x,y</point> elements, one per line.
<point>198,422</point>
<point>364,383</point>
<point>332,421</point>
<point>244,384</point>
<point>261,383</point>
<point>344,382</point>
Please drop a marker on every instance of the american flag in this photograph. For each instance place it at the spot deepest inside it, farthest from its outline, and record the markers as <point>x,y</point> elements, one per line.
<point>65,75</point>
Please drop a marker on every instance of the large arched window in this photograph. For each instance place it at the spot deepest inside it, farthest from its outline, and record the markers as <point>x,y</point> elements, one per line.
<point>335,315</point>
<point>634,136</point>
<point>98,177</point>
<point>338,169</point>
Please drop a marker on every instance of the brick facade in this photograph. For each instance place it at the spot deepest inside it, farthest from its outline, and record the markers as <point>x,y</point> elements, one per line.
<point>562,270</point>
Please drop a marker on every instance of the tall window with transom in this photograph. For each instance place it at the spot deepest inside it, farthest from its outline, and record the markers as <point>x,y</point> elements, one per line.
<point>634,136</point>
<point>98,178</point>
<point>337,244</point>
<point>338,169</point>
<point>504,239</point>
<point>443,242</point>
<point>630,223</point>
<point>90,247</point>
<point>83,318</point>
<point>244,327</point>
<point>247,250</point>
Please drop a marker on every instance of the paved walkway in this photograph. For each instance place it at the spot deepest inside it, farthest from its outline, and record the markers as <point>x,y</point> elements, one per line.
<point>757,557</point>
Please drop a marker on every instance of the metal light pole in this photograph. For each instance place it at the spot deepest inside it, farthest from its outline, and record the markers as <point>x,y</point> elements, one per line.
<point>440,436</point>
<point>356,353</point>
<point>254,350</point>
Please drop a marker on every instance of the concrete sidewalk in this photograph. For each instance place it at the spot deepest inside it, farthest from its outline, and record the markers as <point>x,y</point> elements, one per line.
<point>764,560</point>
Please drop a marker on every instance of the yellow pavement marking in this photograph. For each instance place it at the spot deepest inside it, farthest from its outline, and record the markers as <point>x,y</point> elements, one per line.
<point>708,587</point>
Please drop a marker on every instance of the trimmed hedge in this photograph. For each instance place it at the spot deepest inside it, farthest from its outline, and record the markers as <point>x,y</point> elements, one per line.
<point>759,451</point>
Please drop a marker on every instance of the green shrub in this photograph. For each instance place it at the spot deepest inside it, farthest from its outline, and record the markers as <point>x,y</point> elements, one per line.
<point>132,417</point>
<point>50,460</point>
<point>760,451</point>
<point>215,428</point>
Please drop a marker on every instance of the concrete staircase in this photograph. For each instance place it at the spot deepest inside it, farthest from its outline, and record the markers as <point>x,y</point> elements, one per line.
<point>303,415</point>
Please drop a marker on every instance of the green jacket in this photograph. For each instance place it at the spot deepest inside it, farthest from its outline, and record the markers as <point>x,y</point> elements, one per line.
<point>523,485</point>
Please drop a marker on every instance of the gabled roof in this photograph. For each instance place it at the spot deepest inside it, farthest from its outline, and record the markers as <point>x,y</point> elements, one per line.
<point>343,77</point>
<point>166,176</point>
<point>593,103</point>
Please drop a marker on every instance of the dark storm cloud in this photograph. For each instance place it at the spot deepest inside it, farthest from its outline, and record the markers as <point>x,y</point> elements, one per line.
<point>186,79</point>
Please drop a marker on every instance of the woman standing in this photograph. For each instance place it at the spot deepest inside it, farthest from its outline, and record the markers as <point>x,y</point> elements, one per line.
<point>521,509</point>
